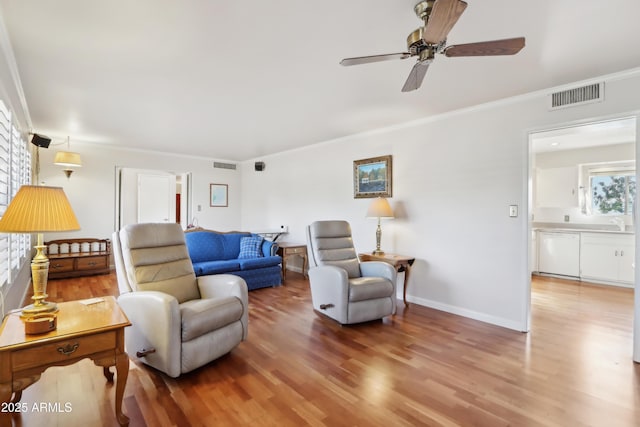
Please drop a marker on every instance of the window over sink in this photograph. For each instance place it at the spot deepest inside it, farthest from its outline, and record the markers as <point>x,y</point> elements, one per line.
<point>610,189</point>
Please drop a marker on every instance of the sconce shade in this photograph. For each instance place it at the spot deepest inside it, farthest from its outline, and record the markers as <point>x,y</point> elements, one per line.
<point>379,208</point>
<point>67,158</point>
<point>39,209</point>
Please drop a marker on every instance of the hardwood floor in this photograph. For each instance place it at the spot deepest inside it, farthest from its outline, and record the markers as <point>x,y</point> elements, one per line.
<point>421,367</point>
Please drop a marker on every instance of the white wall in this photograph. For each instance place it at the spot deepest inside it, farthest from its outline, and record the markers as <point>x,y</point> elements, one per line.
<point>453,179</point>
<point>91,189</point>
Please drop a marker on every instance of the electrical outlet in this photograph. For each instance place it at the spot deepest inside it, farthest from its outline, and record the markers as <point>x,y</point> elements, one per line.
<point>513,211</point>
<point>566,218</point>
<point>284,228</point>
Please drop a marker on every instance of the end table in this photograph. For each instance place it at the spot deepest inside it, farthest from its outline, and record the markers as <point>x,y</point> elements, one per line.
<point>400,262</point>
<point>91,329</point>
<point>286,249</point>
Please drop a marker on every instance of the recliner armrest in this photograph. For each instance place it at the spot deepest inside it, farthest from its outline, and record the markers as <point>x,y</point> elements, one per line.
<point>330,291</point>
<point>156,323</point>
<point>378,269</point>
<point>226,285</point>
<point>381,269</point>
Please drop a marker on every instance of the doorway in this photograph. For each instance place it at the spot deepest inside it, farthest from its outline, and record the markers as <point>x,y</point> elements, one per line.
<point>575,164</point>
<point>144,195</point>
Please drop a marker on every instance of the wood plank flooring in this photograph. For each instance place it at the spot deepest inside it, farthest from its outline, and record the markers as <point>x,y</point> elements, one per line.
<point>422,367</point>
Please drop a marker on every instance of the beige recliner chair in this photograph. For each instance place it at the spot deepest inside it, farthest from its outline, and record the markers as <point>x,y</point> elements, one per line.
<point>178,322</point>
<point>342,287</point>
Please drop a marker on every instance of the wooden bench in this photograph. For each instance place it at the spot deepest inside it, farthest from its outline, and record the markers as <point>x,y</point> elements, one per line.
<point>78,257</point>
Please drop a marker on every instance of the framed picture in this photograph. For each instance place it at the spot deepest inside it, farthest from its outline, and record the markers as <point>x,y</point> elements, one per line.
<point>218,195</point>
<point>372,177</point>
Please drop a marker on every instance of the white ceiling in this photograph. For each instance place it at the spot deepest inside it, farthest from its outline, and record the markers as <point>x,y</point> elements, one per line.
<point>608,132</point>
<point>237,80</point>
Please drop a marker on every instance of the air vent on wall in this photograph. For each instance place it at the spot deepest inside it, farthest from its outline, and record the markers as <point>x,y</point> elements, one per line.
<point>221,165</point>
<point>577,96</point>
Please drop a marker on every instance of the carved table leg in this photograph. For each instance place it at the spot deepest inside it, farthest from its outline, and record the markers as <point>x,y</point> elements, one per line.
<point>122,370</point>
<point>107,374</point>
<point>5,397</point>
<point>17,396</point>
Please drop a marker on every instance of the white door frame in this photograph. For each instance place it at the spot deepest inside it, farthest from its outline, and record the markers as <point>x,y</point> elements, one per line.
<point>528,185</point>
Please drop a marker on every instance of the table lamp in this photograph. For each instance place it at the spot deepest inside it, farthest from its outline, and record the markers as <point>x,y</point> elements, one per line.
<point>379,208</point>
<point>39,209</point>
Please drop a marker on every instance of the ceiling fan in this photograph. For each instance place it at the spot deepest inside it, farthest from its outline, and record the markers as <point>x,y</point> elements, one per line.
<point>439,17</point>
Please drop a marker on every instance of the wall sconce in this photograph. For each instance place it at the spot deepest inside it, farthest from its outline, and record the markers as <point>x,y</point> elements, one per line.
<point>68,160</point>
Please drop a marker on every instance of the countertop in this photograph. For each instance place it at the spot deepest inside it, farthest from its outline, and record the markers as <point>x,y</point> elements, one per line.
<point>581,230</point>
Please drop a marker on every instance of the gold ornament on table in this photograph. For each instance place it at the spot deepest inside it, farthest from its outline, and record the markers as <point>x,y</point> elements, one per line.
<point>39,209</point>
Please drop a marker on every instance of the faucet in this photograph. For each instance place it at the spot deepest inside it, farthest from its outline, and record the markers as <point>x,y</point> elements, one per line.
<point>619,221</point>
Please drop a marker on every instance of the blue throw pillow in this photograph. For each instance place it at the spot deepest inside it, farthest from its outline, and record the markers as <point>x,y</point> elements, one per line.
<point>250,247</point>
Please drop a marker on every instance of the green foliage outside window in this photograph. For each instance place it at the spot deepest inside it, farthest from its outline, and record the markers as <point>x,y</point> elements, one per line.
<point>613,194</point>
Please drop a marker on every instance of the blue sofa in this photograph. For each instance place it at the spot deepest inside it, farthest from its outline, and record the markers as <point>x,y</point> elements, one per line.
<point>244,254</point>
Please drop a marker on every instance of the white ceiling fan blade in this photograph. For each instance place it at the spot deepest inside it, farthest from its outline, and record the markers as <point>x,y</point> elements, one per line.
<point>416,76</point>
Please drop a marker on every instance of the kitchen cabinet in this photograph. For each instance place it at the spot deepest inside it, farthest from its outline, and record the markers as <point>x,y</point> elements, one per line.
<point>559,253</point>
<point>607,257</point>
<point>533,255</point>
<point>557,187</point>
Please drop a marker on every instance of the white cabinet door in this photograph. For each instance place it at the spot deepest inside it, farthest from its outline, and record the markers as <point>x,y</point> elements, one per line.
<point>626,270</point>
<point>607,257</point>
<point>533,256</point>
<point>557,187</point>
<point>559,253</point>
<point>597,260</point>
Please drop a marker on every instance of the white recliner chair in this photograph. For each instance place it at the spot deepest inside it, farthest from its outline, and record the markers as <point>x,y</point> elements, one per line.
<point>343,288</point>
<point>178,322</point>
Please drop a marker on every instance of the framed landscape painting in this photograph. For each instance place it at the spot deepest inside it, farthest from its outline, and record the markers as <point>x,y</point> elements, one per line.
<point>218,195</point>
<point>372,177</point>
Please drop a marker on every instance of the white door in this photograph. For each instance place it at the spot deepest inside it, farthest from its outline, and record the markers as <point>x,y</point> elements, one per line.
<point>144,195</point>
<point>156,198</point>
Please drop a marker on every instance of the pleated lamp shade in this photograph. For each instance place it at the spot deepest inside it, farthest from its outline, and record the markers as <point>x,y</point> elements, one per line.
<point>39,209</point>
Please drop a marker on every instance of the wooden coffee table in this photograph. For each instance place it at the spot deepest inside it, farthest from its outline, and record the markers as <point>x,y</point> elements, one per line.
<point>91,329</point>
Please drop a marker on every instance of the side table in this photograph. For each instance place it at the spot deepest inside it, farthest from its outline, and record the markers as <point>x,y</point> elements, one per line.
<point>286,249</point>
<point>91,329</point>
<point>400,262</point>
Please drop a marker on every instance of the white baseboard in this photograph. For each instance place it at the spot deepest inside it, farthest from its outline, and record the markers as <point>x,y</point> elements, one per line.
<point>475,315</point>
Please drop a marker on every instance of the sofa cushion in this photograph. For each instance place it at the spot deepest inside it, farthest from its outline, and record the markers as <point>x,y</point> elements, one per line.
<point>205,315</point>
<point>216,267</point>
<point>251,263</point>
<point>366,288</point>
<point>250,247</point>
<point>205,246</point>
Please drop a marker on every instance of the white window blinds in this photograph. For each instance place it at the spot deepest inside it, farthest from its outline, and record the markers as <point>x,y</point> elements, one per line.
<point>15,171</point>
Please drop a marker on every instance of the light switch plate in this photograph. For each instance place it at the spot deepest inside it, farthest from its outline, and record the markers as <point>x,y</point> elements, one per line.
<point>513,211</point>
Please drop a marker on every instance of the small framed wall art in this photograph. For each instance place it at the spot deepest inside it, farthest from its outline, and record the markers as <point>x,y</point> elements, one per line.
<point>218,195</point>
<point>372,177</point>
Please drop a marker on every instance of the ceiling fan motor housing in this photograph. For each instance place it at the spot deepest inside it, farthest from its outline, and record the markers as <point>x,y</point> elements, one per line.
<point>423,9</point>
<point>417,46</point>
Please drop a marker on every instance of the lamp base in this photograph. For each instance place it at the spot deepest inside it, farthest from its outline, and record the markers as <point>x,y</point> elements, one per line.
<point>39,275</point>
<point>35,309</point>
<point>377,252</point>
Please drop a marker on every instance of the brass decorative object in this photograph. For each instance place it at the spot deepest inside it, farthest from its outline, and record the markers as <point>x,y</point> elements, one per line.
<point>379,208</point>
